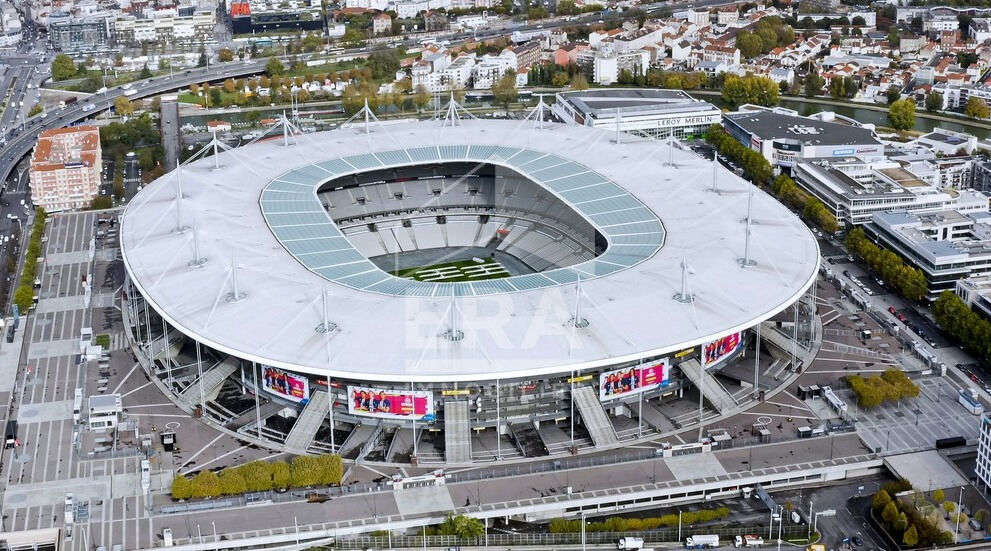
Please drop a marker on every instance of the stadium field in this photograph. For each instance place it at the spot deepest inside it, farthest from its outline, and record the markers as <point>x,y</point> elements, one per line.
<point>456,271</point>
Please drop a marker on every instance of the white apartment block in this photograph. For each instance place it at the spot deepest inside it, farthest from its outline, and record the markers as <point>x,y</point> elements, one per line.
<point>65,168</point>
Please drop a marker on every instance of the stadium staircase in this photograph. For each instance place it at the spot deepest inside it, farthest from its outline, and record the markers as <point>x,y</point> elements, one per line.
<point>653,417</point>
<point>247,420</point>
<point>210,382</point>
<point>457,432</point>
<point>353,443</point>
<point>308,423</point>
<point>713,391</point>
<point>595,418</point>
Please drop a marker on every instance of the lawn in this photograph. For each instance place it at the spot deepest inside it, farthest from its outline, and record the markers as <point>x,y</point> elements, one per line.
<point>456,271</point>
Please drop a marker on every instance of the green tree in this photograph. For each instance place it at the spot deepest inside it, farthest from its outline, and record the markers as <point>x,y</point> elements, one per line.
<point>274,67</point>
<point>504,90</point>
<point>203,60</point>
<point>206,484</point>
<point>35,110</point>
<point>560,79</point>
<point>911,537</point>
<point>182,488</point>
<point>934,101</point>
<point>892,94</point>
<point>749,44</point>
<point>280,474</point>
<point>976,107</point>
<point>145,72</point>
<point>901,114</point>
<point>858,21</point>
<point>949,506</point>
<point>880,500</point>
<point>63,67</point>
<point>939,496</point>
<point>813,84</point>
<point>225,55</point>
<point>421,97</point>
<point>231,482</point>
<point>579,82</point>
<point>890,512</point>
<point>123,106</point>
<point>257,476</point>
<point>461,526</point>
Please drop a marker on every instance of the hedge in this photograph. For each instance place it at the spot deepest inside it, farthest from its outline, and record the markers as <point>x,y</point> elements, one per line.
<point>623,524</point>
<point>259,476</point>
<point>24,295</point>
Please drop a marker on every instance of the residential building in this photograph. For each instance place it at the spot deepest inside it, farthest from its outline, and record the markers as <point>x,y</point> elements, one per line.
<point>65,168</point>
<point>948,142</point>
<point>382,24</point>
<point>91,34</point>
<point>980,29</point>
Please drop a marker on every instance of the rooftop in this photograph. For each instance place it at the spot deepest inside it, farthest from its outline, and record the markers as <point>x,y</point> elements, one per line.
<point>772,125</point>
<point>604,102</point>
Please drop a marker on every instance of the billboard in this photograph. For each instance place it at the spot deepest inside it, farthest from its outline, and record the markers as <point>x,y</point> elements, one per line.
<point>631,380</point>
<point>390,404</point>
<point>719,349</point>
<point>285,385</point>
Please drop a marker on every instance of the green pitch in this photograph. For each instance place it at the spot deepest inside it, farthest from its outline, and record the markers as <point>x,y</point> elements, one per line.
<point>456,271</point>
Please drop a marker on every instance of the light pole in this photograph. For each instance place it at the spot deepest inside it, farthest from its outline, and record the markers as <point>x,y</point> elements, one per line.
<point>216,540</point>
<point>781,521</point>
<point>956,530</point>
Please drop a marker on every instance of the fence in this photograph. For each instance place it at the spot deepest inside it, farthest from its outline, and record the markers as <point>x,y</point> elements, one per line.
<point>660,535</point>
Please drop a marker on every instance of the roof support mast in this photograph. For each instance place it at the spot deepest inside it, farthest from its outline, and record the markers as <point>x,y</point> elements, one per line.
<point>746,260</point>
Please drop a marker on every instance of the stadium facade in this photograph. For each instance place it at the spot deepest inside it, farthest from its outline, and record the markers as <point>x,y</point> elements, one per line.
<point>262,289</point>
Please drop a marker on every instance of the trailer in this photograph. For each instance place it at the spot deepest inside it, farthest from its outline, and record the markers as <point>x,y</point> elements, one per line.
<point>629,543</point>
<point>748,541</point>
<point>702,541</point>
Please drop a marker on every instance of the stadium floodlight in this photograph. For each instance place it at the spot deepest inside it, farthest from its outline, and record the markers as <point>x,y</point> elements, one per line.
<point>746,261</point>
<point>179,228</point>
<point>685,295</point>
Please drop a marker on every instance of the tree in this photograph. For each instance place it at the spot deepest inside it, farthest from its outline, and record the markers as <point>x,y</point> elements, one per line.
<point>949,506</point>
<point>880,500</point>
<point>206,484</point>
<point>813,84</point>
<point>749,44</point>
<point>203,60</point>
<point>182,488</point>
<point>231,482</point>
<point>560,79</point>
<point>892,94</point>
<point>280,474</point>
<point>939,496</point>
<point>934,101</point>
<point>421,97</point>
<point>63,67</point>
<point>976,107</point>
<point>504,90</point>
<point>274,67</point>
<point>145,72</point>
<point>36,110</point>
<point>911,537</point>
<point>461,526</point>
<point>858,21</point>
<point>890,512</point>
<point>901,114</point>
<point>225,55</point>
<point>123,106</point>
<point>579,82</point>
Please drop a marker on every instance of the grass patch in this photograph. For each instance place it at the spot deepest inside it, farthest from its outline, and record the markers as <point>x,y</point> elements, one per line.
<point>103,340</point>
<point>456,271</point>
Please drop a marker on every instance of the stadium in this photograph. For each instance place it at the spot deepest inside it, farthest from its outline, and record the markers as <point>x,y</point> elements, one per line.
<point>457,291</point>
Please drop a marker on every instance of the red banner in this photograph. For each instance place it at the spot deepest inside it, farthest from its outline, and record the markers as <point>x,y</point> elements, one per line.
<point>395,404</point>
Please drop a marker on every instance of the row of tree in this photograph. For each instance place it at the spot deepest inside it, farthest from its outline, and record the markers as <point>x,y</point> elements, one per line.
<point>24,295</point>
<point>963,324</point>
<point>259,476</point>
<point>909,281</point>
<point>812,209</point>
<point>625,524</point>
<point>756,167</point>
<point>905,522</point>
<point>890,386</point>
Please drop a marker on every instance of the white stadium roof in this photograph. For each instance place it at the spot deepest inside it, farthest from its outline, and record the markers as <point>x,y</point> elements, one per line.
<point>261,209</point>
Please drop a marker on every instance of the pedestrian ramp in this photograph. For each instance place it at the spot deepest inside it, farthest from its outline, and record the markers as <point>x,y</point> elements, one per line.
<point>457,432</point>
<point>653,417</point>
<point>780,341</point>
<point>713,391</point>
<point>304,430</point>
<point>361,434</point>
<point>596,420</point>
<point>210,383</point>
